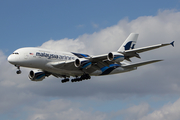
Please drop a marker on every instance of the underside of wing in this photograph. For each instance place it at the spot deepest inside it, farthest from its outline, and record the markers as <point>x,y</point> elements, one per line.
<point>67,65</point>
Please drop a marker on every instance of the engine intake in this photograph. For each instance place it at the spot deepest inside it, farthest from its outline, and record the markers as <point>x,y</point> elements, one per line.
<point>82,63</point>
<point>116,57</point>
<point>36,75</point>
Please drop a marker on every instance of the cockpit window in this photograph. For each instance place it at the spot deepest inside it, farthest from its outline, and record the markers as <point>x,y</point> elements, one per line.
<point>16,53</point>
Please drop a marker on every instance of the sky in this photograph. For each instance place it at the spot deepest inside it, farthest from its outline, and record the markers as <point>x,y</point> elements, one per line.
<point>92,27</point>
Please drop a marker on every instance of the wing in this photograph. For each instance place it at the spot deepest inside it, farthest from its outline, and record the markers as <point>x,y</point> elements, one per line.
<point>140,64</point>
<point>90,64</point>
<point>134,52</point>
<point>97,63</point>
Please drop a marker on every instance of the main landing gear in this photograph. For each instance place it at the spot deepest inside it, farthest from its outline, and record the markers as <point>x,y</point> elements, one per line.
<point>83,77</point>
<point>18,71</point>
<point>65,80</point>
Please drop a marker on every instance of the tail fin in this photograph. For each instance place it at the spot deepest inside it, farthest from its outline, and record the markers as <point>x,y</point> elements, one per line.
<point>129,43</point>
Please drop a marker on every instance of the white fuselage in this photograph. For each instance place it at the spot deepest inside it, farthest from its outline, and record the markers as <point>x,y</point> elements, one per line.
<point>39,58</point>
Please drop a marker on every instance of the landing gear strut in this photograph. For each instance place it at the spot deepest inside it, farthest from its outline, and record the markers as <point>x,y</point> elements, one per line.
<point>18,71</point>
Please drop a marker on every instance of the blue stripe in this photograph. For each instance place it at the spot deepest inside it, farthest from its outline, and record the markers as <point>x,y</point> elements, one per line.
<point>87,64</point>
<point>39,75</point>
<point>116,57</point>
<point>114,65</point>
<point>104,68</point>
<point>85,55</point>
<point>79,55</point>
<point>107,71</point>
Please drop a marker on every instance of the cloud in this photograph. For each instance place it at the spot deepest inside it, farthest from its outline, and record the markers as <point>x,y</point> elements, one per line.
<point>167,112</point>
<point>64,45</point>
<point>144,111</point>
<point>62,109</point>
<point>134,112</point>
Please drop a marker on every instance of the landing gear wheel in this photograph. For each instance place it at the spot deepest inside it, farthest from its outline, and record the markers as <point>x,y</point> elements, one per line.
<point>18,72</point>
<point>65,80</point>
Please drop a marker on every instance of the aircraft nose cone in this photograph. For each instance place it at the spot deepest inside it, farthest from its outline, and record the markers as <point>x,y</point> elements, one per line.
<point>13,59</point>
<point>10,59</point>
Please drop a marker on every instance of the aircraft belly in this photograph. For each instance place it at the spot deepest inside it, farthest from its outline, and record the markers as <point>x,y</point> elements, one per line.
<point>63,71</point>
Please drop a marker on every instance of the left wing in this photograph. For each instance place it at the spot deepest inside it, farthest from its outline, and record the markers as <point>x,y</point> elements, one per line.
<point>131,53</point>
<point>140,64</point>
<point>92,63</point>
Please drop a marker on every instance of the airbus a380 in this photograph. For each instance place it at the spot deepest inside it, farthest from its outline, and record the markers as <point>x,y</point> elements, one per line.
<point>80,66</point>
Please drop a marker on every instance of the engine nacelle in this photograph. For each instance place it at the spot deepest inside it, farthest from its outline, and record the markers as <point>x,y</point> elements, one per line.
<point>116,57</point>
<point>82,63</point>
<point>36,75</point>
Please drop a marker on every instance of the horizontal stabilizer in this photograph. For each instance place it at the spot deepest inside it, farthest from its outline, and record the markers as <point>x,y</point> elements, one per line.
<point>140,64</point>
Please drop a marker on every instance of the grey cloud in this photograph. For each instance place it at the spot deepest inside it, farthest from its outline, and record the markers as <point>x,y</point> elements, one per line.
<point>143,111</point>
<point>62,109</point>
<point>134,112</point>
<point>167,112</point>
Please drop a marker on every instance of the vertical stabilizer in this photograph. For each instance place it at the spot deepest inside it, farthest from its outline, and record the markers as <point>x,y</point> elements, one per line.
<point>129,43</point>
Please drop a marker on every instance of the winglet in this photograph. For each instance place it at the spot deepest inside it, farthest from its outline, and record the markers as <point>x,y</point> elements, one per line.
<point>172,43</point>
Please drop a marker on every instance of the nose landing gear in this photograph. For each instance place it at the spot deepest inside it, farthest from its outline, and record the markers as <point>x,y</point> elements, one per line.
<point>18,71</point>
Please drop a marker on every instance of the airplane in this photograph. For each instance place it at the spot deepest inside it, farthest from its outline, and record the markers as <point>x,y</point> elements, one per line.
<point>80,66</point>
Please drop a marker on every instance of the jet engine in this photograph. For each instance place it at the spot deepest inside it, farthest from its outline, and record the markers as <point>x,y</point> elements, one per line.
<point>36,75</point>
<point>116,57</point>
<point>82,63</point>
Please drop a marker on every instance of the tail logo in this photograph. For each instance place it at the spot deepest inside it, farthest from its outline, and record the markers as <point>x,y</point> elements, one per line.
<point>129,45</point>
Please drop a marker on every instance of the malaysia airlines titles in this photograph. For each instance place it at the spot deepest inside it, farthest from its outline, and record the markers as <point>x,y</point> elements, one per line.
<point>54,56</point>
